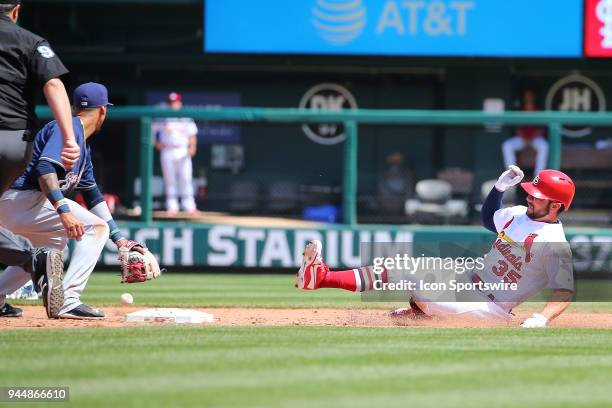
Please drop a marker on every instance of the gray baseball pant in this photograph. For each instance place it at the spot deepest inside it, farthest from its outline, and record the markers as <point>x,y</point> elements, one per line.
<point>15,154</point>
<point>32,215</point>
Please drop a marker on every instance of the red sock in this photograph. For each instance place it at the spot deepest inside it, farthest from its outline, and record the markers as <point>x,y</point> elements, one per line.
<point>354,280</point>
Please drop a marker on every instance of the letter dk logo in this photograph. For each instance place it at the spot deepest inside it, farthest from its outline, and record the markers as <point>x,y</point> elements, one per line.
<point>327,97</point>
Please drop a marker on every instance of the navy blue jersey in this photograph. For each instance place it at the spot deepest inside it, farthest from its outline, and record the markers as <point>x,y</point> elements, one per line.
<point>48,146</point>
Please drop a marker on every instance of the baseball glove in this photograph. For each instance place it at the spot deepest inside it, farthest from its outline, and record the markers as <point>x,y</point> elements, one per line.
<point>137,267</point>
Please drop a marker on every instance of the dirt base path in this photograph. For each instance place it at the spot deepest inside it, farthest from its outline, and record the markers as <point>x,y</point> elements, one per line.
<point>34,317</point>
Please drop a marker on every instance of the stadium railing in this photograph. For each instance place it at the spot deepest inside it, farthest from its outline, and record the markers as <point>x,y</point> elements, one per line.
<point>351,120</point>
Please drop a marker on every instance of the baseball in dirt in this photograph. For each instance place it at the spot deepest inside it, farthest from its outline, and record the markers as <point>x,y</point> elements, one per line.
<point>127,299</point>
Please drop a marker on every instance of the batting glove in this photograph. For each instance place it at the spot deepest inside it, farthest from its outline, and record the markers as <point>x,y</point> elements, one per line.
<point>535,321</point>
<point>509,178</point>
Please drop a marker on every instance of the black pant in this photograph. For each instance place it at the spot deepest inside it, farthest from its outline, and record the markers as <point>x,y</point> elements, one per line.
<point>15,154</point>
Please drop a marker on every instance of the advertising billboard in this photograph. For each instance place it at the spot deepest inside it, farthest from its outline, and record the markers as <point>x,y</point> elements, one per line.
<point>598,28</point>
<point>485,28</point>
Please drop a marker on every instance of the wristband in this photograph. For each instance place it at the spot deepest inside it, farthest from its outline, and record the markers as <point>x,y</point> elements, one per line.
<point>58,201</point>
<point>115,233</point>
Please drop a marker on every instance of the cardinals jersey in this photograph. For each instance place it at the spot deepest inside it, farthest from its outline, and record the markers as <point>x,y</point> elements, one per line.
<point>534,255</point>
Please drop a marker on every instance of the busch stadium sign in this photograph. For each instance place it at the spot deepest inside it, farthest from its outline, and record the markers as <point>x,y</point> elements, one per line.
<point>229,246</point>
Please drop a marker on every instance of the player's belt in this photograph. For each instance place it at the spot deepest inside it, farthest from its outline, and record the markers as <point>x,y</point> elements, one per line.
<point>28,136</point>
<point>25,135</point>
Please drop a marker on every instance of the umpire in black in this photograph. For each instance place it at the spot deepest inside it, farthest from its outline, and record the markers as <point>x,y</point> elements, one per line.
<point>27,64</point>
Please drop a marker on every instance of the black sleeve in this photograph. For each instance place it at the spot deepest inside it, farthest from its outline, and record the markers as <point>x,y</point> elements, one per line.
<point>492,203</point>
<point>45,64</point>
<point>92,197</point>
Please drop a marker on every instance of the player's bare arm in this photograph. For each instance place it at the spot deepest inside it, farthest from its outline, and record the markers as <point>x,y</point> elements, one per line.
<point>558,302</point>
<point>193,145</point>
<point>49,185</point>
<point>56,96</point>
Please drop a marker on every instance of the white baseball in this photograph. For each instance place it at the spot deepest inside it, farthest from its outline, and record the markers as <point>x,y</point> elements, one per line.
<point>127,299</point>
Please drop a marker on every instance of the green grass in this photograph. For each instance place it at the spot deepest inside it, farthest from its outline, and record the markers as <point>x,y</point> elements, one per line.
<point>297,366</point>
<point>315,366</point>
<point>216,290</point>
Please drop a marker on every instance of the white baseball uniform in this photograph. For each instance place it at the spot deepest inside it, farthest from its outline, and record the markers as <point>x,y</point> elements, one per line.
<point>25,210</point>
<point>534,255</point>
<point>174,134</point>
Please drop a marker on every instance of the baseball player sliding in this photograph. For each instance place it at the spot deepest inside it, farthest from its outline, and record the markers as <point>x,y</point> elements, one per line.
<point>36,206</point>
<point>530,253</point>
<point>177,143</point>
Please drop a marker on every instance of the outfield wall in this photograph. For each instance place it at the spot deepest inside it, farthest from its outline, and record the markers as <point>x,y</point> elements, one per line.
<point>182,244</point>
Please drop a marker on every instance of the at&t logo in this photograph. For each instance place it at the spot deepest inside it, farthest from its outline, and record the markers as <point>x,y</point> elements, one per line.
<point>339,21</point>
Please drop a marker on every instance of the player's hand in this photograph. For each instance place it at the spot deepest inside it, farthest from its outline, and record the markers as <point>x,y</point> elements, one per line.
<point>509,178</point>
<point>74,227</point>
<point>535,321</point>
<point>70,154</point>
<point>192,151</point>
<point>160,146</point>
<point>132,245</point>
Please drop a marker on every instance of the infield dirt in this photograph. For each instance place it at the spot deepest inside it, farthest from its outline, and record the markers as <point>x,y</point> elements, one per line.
<point>34,317</point>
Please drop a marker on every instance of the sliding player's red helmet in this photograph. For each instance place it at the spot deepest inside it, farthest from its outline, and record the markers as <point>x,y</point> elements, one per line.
<point>552,185</point>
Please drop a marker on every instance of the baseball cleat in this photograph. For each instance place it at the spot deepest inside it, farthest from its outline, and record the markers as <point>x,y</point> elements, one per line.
<point>10,311</point>
<point>411,313</point>
<point>313,270</point>
<point>408,313</point>
<point>83,312</point>
<point>47,278</point>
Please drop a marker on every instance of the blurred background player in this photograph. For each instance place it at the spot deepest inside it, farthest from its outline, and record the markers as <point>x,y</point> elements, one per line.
<point>527,135</point>
<point>395,185</point>
<point>36,205</point>
<point>176,139</point>
<point>27,64</point>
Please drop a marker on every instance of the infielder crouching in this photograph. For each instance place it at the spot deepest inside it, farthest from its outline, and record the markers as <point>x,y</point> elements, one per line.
<point>530,252</point>
<point>36,207</point>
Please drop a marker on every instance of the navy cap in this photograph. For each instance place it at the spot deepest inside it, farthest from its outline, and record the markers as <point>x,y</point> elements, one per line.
<point>90,95</point>
<point>10,2</point>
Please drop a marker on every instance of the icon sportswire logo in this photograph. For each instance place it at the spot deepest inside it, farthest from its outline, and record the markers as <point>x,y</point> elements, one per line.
<point>339,21</point>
